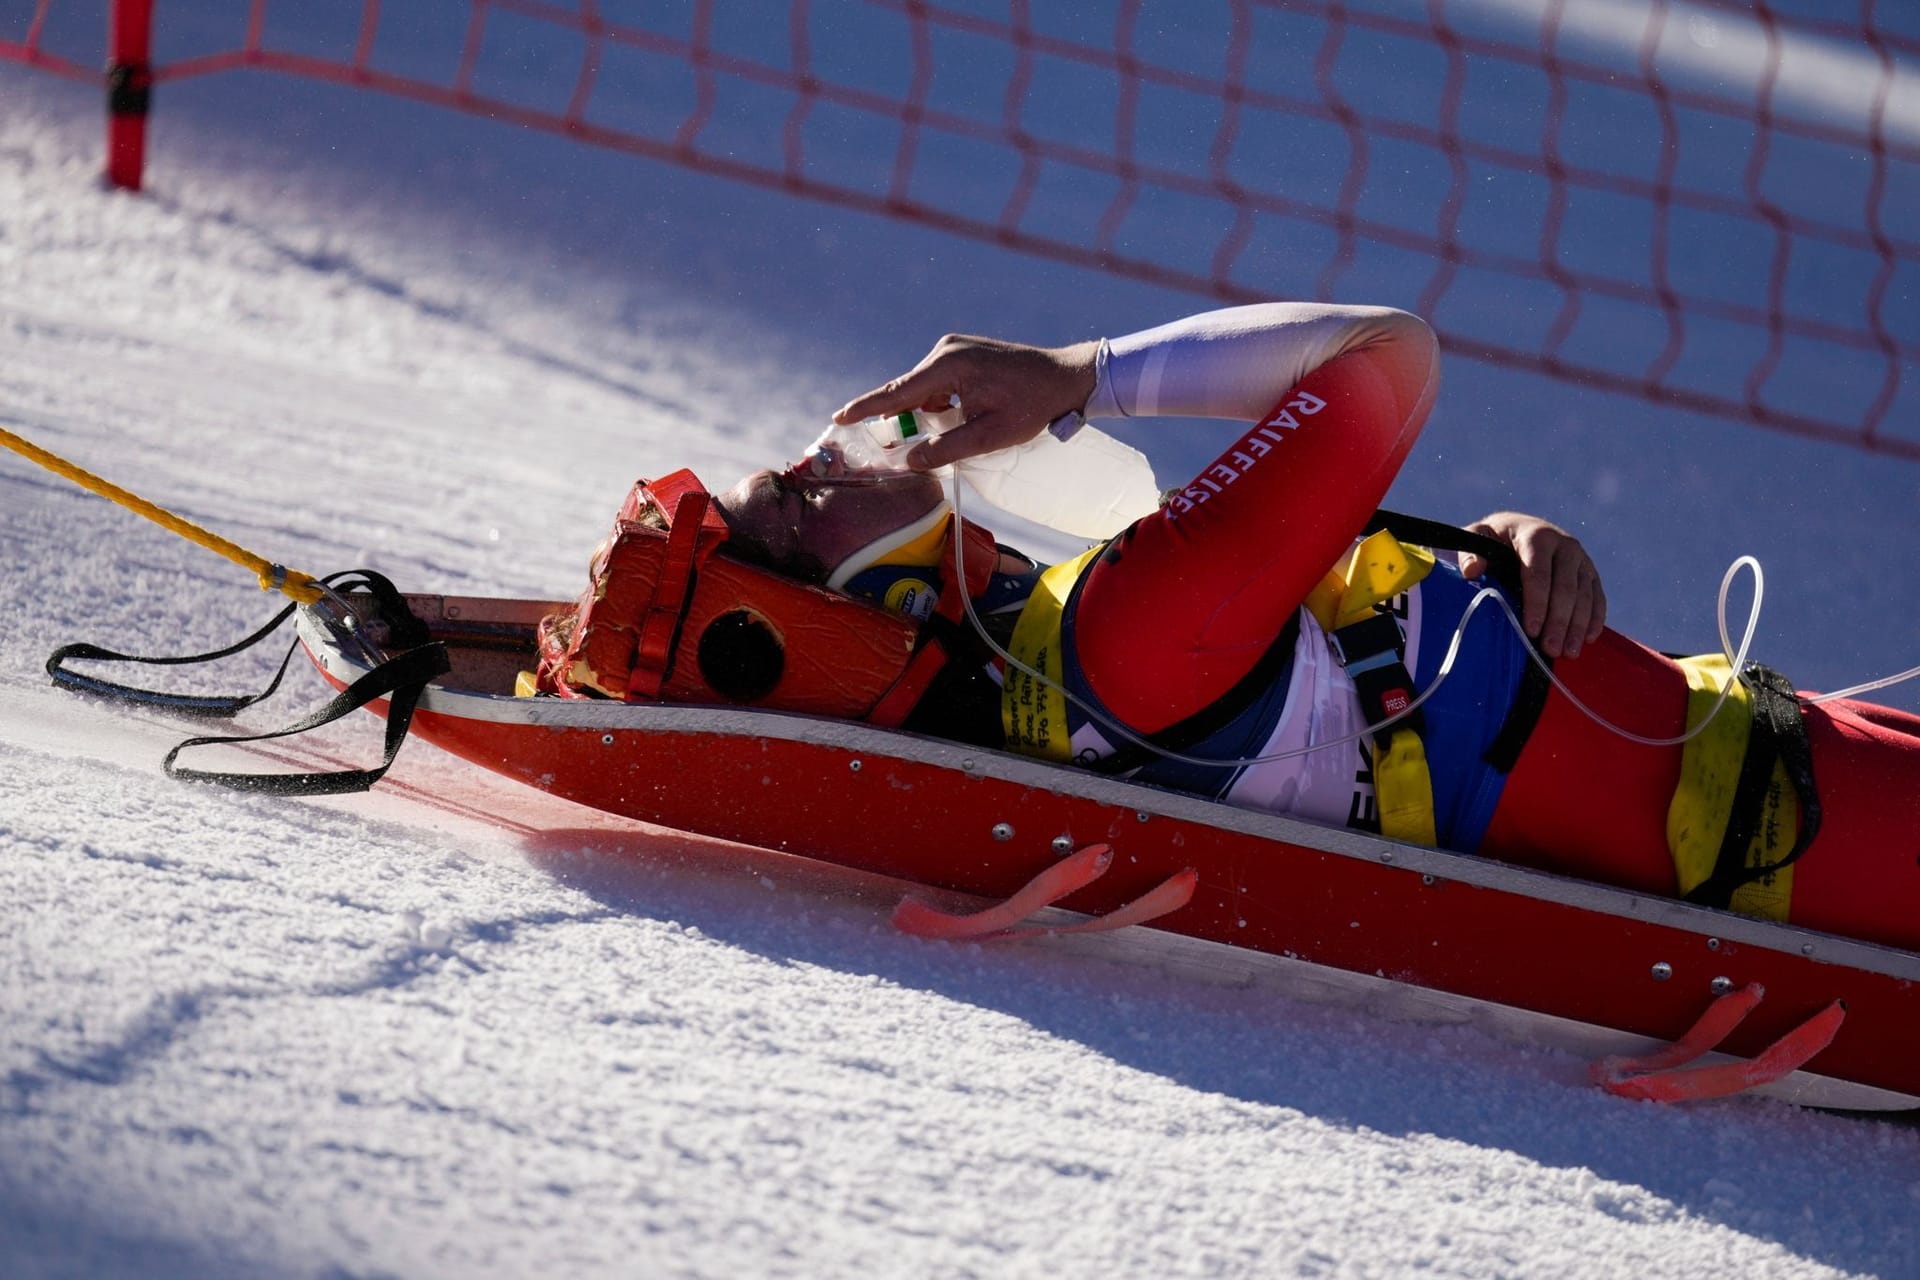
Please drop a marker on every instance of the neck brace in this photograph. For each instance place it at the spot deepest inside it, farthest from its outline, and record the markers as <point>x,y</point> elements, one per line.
<point>917,544</point>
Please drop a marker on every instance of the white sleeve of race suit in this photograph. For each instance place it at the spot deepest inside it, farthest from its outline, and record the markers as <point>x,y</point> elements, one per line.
<point>1238,362</point>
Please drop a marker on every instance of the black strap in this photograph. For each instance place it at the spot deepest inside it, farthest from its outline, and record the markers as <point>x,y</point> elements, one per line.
<point>1529,701</point>
<point>403,630</point>
<point>962,701</point>
<point>1502,560</point>
<point>1781,704</point>
<point>1778,736</point>
<point>1210,719</point>
<point>1373,653</point>
<point>405,678</point>
<point>211,707</point>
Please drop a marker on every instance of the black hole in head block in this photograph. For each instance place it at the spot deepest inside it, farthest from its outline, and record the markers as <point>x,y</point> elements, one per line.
<point>741,657</point>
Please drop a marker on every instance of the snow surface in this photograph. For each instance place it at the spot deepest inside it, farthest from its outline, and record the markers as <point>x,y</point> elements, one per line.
<point>457,1028</point>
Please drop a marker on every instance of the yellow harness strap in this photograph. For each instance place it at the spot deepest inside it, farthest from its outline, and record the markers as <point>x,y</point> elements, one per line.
<point>1403,789</point>
<point>1380,568</point>
<point>1034,712</point>
<point>1702,803</point>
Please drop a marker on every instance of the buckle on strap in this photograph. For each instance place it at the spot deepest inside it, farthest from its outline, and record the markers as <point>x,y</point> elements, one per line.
<point>1369,650</point>
<point>1374,641</point>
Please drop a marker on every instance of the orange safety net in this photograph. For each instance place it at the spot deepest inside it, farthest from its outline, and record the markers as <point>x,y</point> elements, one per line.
<point>1709,204</point>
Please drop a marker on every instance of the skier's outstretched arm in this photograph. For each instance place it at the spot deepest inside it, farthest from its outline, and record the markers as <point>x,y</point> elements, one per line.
<point>1231,363</point>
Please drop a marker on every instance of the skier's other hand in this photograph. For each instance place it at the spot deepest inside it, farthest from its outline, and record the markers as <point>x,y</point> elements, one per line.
<point>1565,604</point>
<point>1010,392</point>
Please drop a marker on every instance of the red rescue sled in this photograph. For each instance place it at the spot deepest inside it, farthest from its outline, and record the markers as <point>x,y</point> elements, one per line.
<point>1329,913</point>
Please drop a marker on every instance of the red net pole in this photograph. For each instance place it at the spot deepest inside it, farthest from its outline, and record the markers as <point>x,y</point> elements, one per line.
<point>129,89</point>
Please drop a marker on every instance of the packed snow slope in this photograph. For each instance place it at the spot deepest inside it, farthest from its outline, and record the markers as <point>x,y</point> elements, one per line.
<point>455,1028</point>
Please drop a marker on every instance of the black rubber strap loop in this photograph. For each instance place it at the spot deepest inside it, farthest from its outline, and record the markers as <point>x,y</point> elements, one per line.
<point>213,707</point>
<point>405,678</point>
<point>404,631</point>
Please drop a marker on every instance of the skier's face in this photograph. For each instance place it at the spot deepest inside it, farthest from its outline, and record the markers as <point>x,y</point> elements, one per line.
<point>805,526</point>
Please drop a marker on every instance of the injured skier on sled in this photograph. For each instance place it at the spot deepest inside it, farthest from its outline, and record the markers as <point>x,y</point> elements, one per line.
<point>1261,636</point>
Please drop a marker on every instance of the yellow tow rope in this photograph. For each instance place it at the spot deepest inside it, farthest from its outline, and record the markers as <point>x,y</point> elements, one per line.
<point>273,577</point>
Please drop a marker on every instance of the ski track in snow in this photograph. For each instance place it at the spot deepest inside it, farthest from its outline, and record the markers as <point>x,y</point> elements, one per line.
<point>454,1029</point>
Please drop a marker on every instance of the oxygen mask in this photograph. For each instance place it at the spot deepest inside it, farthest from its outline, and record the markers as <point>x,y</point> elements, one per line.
<point>875,449</point>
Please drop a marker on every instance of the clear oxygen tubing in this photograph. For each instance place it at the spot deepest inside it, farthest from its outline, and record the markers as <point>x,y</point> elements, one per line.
<point>1883,682</point>
<point>1737,658</point>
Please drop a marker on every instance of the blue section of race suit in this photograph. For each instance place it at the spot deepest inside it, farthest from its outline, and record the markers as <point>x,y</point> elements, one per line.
<point>1465,714</point>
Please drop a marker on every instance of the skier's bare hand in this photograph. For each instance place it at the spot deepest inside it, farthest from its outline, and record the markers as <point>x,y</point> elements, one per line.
<point>1010,392</point>
<point>1565,604</point>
